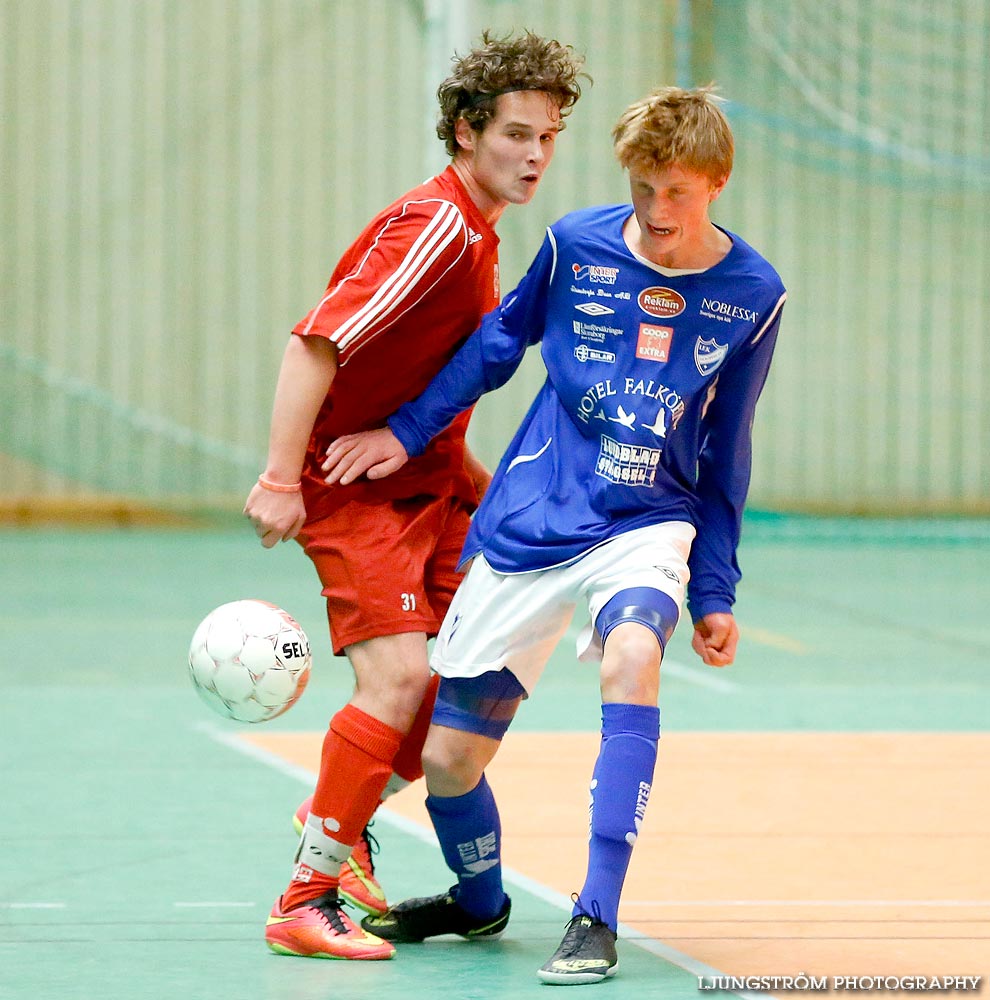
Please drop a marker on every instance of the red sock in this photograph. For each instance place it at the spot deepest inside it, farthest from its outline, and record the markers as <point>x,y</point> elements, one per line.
<point>306,884</point>
<point>408,762</point>
<point>357,762</point>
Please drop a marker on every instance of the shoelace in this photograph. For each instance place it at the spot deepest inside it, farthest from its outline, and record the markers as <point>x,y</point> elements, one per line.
<point>332,908</point>
<point>373,847</point>
<point>596,910</point>
<point>573,935</point>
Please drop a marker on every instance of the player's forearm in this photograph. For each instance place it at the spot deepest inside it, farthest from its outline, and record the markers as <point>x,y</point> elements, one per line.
<point>723,482</point>
<point>455,388</point>
<point>486,360</point>
<point>723,478</point>
<point>308,369</point>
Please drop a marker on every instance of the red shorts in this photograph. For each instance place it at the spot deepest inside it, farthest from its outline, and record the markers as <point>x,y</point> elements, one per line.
<point>387,567</point>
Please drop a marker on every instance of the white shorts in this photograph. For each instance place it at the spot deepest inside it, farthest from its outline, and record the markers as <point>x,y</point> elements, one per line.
<point>515,621</point>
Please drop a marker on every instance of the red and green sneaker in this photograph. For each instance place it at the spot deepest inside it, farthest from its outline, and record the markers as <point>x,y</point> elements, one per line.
<point>321,929</point>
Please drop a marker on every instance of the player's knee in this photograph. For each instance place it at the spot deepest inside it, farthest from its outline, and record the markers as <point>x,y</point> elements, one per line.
<point>634,646</point>
<point>470,718</point>
<point>410,685</point>
<point>653,609</point>
<point>452,762</point>
<point>631,666</point>
<point>635,626</point>
<point>398,690</point>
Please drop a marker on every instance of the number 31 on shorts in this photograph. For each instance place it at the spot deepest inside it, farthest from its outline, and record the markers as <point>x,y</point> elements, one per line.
<point>408,602</point>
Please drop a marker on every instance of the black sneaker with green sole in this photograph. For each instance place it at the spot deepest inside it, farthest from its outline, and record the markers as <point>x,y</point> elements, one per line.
<point>586,955</point>
<point>429,916</point>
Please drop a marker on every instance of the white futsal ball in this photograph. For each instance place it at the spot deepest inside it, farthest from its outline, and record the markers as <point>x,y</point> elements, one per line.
<point>249,660</point>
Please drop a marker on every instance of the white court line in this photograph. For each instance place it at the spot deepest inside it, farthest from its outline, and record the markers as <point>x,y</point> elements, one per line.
<point>812,902</point>
<point>703,676</point>
<point>210,905</point>
<point>32,906</point>
<point>231,738</point>
<point>512,877</point>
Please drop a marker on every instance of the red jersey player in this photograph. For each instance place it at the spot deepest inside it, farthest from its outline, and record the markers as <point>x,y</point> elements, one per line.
<point>403,298</point>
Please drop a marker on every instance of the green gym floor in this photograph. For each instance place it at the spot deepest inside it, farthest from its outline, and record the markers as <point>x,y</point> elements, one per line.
<point>142,840</point>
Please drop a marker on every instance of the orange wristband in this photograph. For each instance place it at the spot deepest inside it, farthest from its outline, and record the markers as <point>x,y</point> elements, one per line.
<point>267,484</point>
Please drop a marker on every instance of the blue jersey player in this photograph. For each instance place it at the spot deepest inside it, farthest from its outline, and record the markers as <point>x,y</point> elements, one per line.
<point>621,494</point>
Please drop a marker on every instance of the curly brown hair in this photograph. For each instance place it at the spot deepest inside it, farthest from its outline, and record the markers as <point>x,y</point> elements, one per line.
<point>498,65</point>
<point>673,125</point>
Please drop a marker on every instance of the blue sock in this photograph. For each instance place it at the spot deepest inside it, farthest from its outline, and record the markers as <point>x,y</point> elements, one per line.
<point>620,789</point>
<point>470,834</point>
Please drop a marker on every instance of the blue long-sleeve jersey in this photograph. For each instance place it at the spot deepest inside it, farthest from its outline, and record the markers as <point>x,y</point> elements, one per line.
<point>646,412</point>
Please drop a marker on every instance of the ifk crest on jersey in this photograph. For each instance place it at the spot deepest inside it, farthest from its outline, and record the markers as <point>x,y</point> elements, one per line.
<point>709,354</point>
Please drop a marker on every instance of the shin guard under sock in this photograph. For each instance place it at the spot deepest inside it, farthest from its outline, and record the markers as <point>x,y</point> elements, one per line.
<point>620,789</point>
<point>358,751</point>
<point>356,764</point>
<point>470,835</point>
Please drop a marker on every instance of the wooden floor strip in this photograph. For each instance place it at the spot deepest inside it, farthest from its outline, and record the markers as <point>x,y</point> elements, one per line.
<point>829,854</point>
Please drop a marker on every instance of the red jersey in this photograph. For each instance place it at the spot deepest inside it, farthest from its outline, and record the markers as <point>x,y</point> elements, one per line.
<point>404,297</point>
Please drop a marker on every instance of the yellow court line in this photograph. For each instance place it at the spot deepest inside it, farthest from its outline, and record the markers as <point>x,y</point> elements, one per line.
<point>774,639</point>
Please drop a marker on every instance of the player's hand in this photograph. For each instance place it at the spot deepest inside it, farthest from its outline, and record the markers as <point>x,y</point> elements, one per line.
<point>376,453</point>
<point>715,639</point>
<point>277,517</point>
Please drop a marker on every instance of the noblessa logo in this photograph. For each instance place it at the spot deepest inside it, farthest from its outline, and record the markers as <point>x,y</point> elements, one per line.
<point>594,273</point>
<point>662,302</point>
<point>726,310</point>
